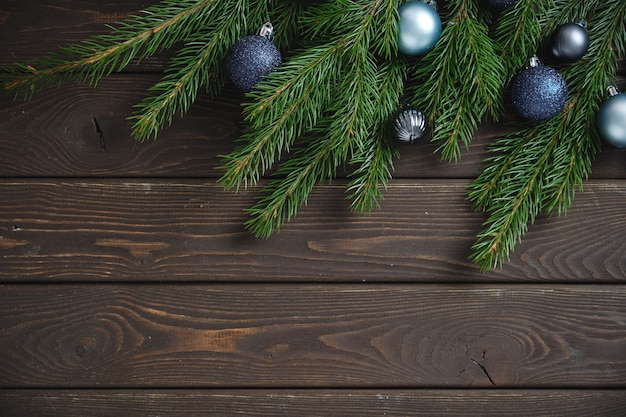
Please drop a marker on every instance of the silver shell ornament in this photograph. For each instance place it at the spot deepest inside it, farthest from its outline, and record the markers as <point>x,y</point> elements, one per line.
<point>409,125</point>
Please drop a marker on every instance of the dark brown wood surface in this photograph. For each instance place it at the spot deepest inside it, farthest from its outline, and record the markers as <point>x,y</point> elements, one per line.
<point>310,403</point>
<point>191,230</point>
<point>129,287</point>
<point>340,335</point>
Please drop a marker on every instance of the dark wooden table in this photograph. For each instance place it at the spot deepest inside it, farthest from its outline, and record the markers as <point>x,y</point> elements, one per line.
<point>128,286</point>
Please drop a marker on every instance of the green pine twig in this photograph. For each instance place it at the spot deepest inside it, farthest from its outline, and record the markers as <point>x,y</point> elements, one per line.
<point>516,195</point>
<point>329,96</point>
<point>518,33</point>
<point>289,103</point>
<point>338,136</point>
<point>197,65</point>
<point>154,29</point>
<point>460,80</point>
<point>375,160</point>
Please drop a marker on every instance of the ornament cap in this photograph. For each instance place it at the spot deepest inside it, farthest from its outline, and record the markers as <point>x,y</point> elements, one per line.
<point>582,23</point>
<point>534,61</point>
<point>432,3</point>
<point>267,31</point>
<point>612,91</point>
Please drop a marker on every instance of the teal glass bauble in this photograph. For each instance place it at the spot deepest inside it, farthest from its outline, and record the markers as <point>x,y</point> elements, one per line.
<point>612,119</point>
<point>419,28</point>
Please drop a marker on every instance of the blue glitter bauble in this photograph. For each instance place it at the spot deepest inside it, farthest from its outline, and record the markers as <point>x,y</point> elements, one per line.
<point>612,120</point>
<point>419,28</point>
<point>500,5</point>
<point>539,93</point>
<point>250,59</point>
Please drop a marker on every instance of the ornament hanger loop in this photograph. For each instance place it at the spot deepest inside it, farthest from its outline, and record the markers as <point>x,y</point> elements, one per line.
<point>267,30</point>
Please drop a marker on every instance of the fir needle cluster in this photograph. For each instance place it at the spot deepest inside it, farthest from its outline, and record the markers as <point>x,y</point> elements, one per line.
<point>461,80</point>
<point>327,108</point>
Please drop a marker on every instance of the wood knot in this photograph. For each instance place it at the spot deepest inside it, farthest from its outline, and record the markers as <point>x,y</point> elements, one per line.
<point>81,351</point>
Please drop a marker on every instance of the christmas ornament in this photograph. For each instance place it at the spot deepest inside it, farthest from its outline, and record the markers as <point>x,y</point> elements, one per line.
<point>252,58</point>
<point>499,5</point>
<point>569,42</point>
<point>409,125</point>
<point>539,92</point>
<point>612,118</point>
<point>419,29</point>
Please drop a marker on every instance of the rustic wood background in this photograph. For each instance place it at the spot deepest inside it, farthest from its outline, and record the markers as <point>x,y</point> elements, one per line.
<point>128,286</point>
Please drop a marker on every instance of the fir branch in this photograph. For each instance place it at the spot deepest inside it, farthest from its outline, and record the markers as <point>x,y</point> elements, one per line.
<point>517,199</point>
<point>376,159</point>
<point>296,179</point>
<point>460,80</point>
<point>376,163</point>
<point>156,28</point>
<point>340,134</point>
<point>194,67</point>
<point>292,99</point>
<point>285,17</point>
<point>503,153</point>
<point>288,103</point>
<point>198,64</point>
<point>589,79</point>
<point>538,169</point>
<point>519,34</point>
<point>331,102</point>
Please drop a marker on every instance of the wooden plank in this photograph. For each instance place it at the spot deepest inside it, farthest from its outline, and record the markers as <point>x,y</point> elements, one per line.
<point>309,403</point>
<point>31,29</point>
<point>146,230</point>
<point>82,131</point>
<point>313,336</point>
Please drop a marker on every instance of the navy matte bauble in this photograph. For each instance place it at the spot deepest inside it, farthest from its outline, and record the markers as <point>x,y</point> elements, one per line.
<point>539,92</point>
<point>250,59</point>
<point>500,5</point>
<point>419,28</point>
<point>569,42</point>
<point>612,119</point>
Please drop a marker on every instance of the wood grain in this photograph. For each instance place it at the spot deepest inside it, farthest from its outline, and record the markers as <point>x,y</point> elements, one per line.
<point>309,403</point>
<point>312,336</point>
<point>81,131</point>
<point>139,230</point>
<point>32,29</point>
